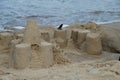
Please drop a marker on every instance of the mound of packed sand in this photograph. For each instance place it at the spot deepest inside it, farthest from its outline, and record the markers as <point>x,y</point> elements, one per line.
<point>79,51</point>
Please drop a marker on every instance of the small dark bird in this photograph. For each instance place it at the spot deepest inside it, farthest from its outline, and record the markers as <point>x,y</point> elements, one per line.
<point>119,59</point>
<point>60,27</point>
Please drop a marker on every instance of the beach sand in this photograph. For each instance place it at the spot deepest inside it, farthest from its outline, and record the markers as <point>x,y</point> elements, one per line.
<point>71,63</point>
<point>114,25</point>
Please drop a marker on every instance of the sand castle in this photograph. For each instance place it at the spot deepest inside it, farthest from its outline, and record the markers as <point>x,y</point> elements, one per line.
<point>42,47</point>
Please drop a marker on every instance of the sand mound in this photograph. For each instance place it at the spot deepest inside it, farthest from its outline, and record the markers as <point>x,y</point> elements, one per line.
<point>80,51</point>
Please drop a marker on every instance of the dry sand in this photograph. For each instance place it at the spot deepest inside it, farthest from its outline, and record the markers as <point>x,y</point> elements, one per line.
<point>78,64</point>
<point>89,70</point>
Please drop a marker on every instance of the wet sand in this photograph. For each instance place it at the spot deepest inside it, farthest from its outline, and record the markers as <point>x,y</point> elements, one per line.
<point>115,25</point>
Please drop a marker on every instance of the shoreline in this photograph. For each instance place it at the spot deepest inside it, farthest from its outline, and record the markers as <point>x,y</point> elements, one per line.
<point>110,24</point>
<point>114,25</point>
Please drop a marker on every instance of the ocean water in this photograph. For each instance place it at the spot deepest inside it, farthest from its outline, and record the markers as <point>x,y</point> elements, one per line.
<point>55,12</point>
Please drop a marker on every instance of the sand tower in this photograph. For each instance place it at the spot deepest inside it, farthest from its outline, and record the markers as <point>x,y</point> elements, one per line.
<point>31,34</point>
<point>32,52</point>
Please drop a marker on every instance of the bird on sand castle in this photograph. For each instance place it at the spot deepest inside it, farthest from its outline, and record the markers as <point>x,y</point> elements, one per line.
<point>61,26</point>
<point>119,58</point>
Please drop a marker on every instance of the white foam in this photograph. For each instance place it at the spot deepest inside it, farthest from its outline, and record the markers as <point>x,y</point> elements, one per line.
<point>11,28</point>
<point>64,25</point>
<point>19,27</point>
<point>108,22</point>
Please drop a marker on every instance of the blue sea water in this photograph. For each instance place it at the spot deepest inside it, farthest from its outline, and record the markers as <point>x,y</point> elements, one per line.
<point>55,12</point>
